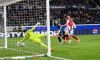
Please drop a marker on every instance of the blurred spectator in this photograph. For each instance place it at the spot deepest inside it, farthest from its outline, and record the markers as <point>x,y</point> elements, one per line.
<point>81,16</point>
<point>28,12</point>
<point>24,30</point>
<point>19,29</point>
<point>15,29</point>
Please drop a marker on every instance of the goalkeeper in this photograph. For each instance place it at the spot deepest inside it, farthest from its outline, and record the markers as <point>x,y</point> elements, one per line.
<point>33,36</point>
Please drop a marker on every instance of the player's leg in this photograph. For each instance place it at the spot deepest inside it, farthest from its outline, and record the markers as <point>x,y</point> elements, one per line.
<point>42,35</point>
<point>37,40</point>
<point>59,40</point>
<point>67,38</point>
<point>42,44</point>
<point>67,33</point>
<point>60,34</point>
<point>64,37</point>
<point>56,35</point>
<point>74,36</point>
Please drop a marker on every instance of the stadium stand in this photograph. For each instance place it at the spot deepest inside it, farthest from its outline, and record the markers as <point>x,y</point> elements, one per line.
<point>17,13</point>
<point>81,16</point>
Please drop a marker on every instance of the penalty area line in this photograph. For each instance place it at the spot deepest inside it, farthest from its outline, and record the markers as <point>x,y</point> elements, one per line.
<point>59,58</point>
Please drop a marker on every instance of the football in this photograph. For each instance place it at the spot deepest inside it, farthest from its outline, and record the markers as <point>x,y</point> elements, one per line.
<point>22,44</point>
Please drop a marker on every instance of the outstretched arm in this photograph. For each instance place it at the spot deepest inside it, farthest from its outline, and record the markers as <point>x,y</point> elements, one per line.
<point>74,25</point>
<point>65,24</point>
<point>33,27</point>
<point>60,27</point>
<point>21,41</point>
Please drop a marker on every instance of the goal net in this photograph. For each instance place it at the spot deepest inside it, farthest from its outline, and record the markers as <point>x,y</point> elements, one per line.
<point>2,44</point>
<point>17,17</point>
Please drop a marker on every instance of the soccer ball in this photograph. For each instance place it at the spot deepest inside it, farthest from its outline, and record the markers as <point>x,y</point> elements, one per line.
<point>52,49</point>
<point>22,44</point>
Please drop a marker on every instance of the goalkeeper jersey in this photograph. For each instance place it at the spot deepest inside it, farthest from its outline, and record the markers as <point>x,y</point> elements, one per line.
<point>30,35</point>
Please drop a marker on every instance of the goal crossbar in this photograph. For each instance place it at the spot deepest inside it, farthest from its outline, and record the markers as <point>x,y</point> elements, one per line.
<point>8,2</point>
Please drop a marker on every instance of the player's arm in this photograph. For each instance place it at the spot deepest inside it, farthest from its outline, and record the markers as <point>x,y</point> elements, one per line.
<point>62,36</point>
<point>74,25</point>
<point>66,23</point>
<point>21,41</point>
<point>33,27</point>
<point>59,29</point>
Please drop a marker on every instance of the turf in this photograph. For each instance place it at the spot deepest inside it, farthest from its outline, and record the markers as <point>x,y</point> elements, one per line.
<point>87,49</point>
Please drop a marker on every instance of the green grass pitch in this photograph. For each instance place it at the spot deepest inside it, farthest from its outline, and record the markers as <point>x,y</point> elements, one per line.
<point>87,49</point>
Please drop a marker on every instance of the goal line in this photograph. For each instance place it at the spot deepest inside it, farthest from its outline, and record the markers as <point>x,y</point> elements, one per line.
<point>23,57</point>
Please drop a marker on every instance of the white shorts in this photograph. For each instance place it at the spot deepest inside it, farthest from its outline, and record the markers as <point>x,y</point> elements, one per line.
<point>70,32</point>
<point>66,30</point>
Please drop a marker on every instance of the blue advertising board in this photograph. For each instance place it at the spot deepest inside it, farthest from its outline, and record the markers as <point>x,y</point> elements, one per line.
<point>79,30</point>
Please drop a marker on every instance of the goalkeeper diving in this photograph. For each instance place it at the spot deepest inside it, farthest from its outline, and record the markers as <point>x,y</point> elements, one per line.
<point>34,37</point>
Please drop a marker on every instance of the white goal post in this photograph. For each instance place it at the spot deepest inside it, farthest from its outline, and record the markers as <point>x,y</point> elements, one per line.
<point>5,26</point>
<point>4,4</point>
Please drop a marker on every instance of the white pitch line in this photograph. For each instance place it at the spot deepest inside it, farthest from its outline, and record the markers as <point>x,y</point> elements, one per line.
<point>1,47</point>
<point>89,43</point>
<point>20,57</point>
<point>21,50</point>
<point>59,58</point>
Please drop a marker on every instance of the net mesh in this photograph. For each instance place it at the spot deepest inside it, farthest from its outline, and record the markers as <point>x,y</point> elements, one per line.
<point>1,33</point>
<point>23,16</point>
<point>1,28</point>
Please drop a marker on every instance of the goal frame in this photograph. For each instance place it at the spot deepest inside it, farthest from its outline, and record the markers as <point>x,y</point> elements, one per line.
<point>47,22</point>
<point>5,25</point>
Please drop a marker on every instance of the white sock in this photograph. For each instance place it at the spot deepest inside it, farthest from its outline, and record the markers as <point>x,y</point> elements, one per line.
<point>70,41</point>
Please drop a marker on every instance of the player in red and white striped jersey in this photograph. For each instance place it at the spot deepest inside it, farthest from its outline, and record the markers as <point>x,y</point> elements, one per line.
<point>67,29</point>
<point>70,25</point>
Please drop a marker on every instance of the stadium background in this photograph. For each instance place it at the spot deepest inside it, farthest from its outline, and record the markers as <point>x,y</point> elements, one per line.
<point>84,12</point>
<point>86,15</point>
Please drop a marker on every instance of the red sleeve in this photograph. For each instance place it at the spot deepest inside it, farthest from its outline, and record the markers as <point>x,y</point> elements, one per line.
<point>70,20</point>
